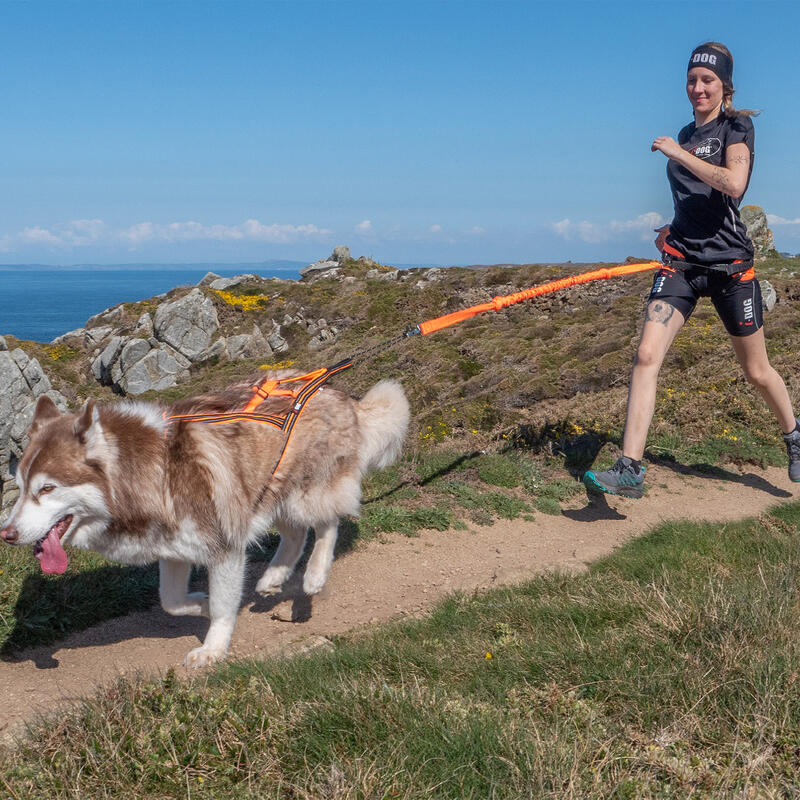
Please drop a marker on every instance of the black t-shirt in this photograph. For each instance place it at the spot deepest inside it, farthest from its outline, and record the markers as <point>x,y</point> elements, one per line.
<point>707,228</point>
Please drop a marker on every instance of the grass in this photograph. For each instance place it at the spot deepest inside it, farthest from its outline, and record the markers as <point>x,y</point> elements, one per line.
<point>669,669</point>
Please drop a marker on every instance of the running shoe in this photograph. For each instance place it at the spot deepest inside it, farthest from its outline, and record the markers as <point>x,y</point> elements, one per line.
<point>624,480</point>
<point>793,451</point>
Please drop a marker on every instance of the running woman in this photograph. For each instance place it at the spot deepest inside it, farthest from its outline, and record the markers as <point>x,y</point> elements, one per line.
<point>706,253</point>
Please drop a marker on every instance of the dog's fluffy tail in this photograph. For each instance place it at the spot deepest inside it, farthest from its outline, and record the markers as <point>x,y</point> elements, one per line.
<point>383,415</point>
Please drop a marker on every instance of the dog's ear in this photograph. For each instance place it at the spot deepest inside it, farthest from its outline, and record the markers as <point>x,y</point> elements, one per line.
<point>84,421</point>
<point>89,431</point>
<point>45,410</point>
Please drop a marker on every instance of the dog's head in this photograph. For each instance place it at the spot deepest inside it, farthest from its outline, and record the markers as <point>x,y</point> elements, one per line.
<point>62,484</point>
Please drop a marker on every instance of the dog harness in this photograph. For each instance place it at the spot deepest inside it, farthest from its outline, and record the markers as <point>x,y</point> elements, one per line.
<point>312,383</point>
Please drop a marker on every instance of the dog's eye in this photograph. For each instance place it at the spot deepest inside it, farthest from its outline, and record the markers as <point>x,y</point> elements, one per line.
<point>48,487</point>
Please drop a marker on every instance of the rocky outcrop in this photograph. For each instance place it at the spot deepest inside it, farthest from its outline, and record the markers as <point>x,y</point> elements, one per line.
<point>327,267</point>
<point>23,383</point>
<point>757,227</point>
<point>187,324</point>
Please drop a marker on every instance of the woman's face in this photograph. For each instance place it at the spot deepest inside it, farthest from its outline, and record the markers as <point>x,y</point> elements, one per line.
<point>704,89</point>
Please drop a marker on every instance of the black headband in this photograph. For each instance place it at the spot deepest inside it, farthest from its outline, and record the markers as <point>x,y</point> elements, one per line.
<point>711,58</point>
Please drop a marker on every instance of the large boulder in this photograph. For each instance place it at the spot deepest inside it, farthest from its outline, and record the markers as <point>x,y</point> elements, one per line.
<point>187,324</point>
<point>23,382</point>
<point>757,227</point>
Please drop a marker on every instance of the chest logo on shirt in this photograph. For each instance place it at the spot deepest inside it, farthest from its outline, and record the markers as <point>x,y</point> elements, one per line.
<point>707,148</point>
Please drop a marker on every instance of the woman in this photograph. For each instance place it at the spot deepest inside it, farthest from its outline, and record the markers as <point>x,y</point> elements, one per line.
<point>706,253</point>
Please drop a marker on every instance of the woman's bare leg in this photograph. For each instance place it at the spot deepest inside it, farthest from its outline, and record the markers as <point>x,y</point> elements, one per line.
<point>752,354</point>
<point>661,325</point>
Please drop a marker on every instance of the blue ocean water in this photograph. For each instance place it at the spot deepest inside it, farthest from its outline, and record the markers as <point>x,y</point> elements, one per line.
<point>41,303</point>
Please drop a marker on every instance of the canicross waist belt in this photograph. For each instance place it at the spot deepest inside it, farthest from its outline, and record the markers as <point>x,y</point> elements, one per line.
<point>672,257</point>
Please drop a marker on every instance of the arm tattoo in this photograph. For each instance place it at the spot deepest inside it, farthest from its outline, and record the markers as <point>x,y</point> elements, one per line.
<point>740,160</point>
<point>720,177</point>
<point>659,312</point>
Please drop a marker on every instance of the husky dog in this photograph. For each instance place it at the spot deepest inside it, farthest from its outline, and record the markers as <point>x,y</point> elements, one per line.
<point>128,482</point>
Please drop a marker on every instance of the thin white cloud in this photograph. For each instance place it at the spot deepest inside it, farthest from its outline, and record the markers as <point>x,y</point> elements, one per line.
<point>774,219</point>
<point>476,230</point>
<point>84,232</point>
<point>435,229</point>
<point>594,232</point>
<point>364,227</point>
<point>77,233</point>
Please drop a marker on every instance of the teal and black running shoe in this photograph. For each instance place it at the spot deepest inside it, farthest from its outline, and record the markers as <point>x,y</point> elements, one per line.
<point>793,451</point>
<point>621,479</point>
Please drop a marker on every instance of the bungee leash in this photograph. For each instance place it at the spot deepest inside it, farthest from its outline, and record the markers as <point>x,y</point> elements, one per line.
<point>497,303</point>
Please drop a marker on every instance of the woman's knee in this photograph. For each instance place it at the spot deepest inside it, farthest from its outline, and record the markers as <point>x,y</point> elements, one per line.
<point>758,374</point>
<point>647,357</point>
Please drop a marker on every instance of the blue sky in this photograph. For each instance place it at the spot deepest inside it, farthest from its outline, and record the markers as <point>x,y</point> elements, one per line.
<point>415,132</point>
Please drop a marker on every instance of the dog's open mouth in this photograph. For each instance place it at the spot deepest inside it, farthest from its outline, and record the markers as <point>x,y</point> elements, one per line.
<point>49,549</point>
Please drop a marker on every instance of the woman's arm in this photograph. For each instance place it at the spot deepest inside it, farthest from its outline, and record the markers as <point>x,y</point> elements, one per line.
<point>730,180</point>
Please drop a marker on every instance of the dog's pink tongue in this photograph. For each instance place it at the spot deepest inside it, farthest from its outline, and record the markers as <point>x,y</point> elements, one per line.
<point>52,557</point>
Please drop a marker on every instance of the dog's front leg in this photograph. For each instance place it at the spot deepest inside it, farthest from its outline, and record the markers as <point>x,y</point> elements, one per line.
<point>225,578</point>
<point>173,580</point>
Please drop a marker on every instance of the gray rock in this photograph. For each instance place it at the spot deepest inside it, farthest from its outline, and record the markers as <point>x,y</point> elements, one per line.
<point>23,381</point>
<point>96,336</point>
<point>144,326</point>
<point>221,284</point>
<point>219,350</point>
<point>157,369</point>
<point>187,324</point>
<point>208,278</point>
<point>383,274</point>
<point>3,345</point>
<point>101,366</point>
<point>768,295</point>
<point>73,338</point>
<point>340,254</point>
<point>276,341</point>
<point>319,269</point>
<point>133,351</point>
<point>248,345</point>
<point>758,228</point>
<point>109,316</point>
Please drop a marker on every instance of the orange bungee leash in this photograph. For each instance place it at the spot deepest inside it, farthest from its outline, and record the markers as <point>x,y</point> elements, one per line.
<point>496,303</point>
<point>312,382</point>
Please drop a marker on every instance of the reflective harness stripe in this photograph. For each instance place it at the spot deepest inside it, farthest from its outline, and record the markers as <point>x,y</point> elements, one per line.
<point>313,382</point>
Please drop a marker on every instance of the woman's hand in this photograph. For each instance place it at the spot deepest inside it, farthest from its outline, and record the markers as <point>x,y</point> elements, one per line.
<point>662,232</point>
<point>668,146</point>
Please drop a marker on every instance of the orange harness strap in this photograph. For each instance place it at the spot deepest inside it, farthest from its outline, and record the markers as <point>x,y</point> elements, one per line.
<point>312,381</point>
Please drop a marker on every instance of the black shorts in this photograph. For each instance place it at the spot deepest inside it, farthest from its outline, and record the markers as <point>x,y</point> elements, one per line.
<point>737,297</point>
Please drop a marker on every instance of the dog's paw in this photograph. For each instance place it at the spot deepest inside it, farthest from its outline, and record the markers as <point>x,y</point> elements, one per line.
<point>203,657</point>
<point>195,604</point>
<point>272,580</point>
<point>314,581</point>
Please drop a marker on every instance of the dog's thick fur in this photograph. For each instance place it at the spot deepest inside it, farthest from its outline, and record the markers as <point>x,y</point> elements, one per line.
<point>139,490</point>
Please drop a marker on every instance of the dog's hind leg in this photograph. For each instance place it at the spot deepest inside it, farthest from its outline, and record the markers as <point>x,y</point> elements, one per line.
<point>173,579</point>
<point>293,539</point>
<point>319,565</point>
<point>225,579</point>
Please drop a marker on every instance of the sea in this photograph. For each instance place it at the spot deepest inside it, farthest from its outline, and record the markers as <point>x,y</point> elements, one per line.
<point>40,302</point>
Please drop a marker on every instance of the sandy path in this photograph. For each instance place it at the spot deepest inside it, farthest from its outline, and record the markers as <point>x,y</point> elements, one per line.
<point>379,581</point>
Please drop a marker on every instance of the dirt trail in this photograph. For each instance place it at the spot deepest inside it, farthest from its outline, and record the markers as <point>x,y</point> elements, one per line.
<point>381,580</point>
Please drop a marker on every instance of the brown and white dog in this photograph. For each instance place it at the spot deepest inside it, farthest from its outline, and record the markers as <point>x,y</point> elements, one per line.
<point>121,480</point>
